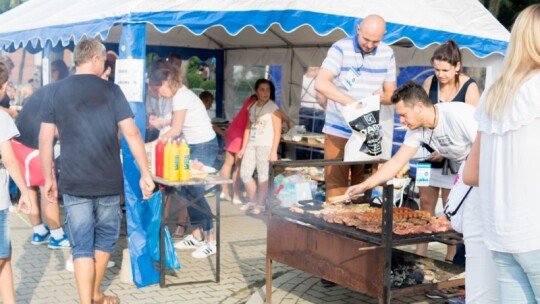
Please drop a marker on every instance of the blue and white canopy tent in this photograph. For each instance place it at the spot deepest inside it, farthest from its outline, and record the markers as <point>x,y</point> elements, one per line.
<point>293,34</point>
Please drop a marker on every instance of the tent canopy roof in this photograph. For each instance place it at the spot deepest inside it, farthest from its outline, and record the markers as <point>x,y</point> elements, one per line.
<point>233,24</point>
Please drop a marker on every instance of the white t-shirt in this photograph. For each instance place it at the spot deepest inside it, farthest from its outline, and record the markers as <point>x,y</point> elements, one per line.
<point>454,134</point>
<point>197,125</point>
<point>8,130</point>
<point>509,169</point>
<point>262,129</point>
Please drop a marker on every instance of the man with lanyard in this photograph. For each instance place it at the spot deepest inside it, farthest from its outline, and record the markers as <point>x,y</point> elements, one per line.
<point>450,129</point>
<point>355,67</point>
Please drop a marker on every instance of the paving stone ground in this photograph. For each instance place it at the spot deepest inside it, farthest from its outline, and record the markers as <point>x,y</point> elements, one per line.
<point>40,276</point>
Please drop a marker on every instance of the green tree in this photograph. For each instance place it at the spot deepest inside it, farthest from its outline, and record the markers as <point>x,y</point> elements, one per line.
<point>9,4</point>
<point>506,10</point>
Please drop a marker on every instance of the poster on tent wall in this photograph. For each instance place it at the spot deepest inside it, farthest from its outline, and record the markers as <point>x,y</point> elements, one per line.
<point>129,75</point>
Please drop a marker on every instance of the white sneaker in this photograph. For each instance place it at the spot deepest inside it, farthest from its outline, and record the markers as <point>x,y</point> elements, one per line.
<point>205,250</point>
<point>223,197</point>
<point>188,242</point>
<point>71,268</point>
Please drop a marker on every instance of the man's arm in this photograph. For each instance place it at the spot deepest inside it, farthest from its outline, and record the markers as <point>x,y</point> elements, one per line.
<point>12,166</point>
<point>324,85</point>
<point>388,90</point>
<point>46,137</point>
<point>136,145</point>
<point>386,171</point>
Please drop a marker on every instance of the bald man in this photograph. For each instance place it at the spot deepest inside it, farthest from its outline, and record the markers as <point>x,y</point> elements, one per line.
<point>372,65</point>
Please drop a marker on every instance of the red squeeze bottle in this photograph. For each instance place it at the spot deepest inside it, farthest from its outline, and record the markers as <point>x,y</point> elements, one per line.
<point>160,153</point>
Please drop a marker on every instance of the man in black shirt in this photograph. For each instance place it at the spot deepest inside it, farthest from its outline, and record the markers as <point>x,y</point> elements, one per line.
<point>26,150</point>
<point>88,113</point>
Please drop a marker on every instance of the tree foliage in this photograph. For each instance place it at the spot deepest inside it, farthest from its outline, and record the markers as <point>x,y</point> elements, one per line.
<point>6,5</point>
<point>506,10</point>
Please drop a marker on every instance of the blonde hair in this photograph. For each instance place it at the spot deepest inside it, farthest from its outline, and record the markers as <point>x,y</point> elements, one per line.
<point>522,60</point>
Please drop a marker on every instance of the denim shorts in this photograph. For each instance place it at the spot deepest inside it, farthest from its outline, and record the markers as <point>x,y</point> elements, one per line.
<point>93,223</point>
<point>5,240</point>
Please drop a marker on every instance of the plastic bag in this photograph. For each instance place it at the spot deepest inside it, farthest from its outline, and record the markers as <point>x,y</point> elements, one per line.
<point>459,194</point>
<point>294,188</point>
<point>365,142</point>
<point>150,220</point>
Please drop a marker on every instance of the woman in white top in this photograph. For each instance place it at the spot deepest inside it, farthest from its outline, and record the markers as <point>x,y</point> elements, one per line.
<point>259,147</point>
<point>191,120</point>
<point>504,163</point>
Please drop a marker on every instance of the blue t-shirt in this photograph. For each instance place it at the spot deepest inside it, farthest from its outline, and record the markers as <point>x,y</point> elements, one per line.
<point>86,110</point>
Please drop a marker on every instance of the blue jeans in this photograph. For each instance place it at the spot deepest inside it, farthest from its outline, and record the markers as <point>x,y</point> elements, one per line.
<point>519,276</point>
<point>93,223</point>
<point>5,240</point>
<point>206,153</point>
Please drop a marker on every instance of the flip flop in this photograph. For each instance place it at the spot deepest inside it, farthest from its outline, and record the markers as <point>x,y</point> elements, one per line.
<point>248,206</point>
<point>257,210</point>
<point>105,299</point>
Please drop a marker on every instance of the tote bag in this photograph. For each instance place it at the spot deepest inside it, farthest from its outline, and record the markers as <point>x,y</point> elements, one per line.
<point>457,197</point>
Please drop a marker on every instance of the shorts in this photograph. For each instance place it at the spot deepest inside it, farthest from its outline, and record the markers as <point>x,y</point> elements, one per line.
<point>93,223</point>
<point>5,240</point>
<point>30,164</point>
<point>439,180</point>
<point>255,157</point>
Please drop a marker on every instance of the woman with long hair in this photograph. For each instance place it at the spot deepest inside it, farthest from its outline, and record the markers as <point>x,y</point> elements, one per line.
<point>504,164</point>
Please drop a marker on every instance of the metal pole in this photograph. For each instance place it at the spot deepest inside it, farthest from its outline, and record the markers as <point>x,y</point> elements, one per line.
<point>387,210</point>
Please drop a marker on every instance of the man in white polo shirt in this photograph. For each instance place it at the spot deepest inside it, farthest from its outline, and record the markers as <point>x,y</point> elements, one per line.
<point>372,65</point>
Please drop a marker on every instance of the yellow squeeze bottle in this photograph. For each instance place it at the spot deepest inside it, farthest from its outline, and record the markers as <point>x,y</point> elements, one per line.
<point>176,161</point>
<point>168,161</point>
<point>184,161</point>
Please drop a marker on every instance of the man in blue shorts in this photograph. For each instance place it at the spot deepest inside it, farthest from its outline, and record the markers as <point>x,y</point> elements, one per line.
<point>89,112</point>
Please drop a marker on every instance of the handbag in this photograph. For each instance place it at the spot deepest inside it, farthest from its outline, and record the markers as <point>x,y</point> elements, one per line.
<point>459,193</point>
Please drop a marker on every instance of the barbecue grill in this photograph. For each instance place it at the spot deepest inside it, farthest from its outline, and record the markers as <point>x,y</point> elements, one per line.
<point>348,256</point>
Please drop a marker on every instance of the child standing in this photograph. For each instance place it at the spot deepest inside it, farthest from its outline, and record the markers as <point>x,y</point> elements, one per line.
<point>259,147</point>
<point>8,162</point>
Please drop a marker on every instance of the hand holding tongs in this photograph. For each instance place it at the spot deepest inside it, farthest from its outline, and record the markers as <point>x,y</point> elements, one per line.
<point>343,198</point>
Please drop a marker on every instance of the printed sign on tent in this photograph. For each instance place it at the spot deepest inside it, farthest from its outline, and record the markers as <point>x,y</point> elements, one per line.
<point>129,75</point>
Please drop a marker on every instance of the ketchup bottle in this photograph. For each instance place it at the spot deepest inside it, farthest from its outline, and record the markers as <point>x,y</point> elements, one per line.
<point>160,153</point>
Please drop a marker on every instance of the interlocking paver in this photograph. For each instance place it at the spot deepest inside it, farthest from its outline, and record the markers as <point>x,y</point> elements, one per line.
<point>40,277</point>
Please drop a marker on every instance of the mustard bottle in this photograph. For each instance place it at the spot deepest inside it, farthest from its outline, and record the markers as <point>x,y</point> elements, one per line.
<point>175,175</point>
<point>184,161</point>
<point>168,161</point>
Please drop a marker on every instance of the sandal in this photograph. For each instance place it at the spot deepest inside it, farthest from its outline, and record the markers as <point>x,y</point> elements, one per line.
<point>105,299</point>
<point>257,210</point>
<point>180,231</point>
<point>248,206</point>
